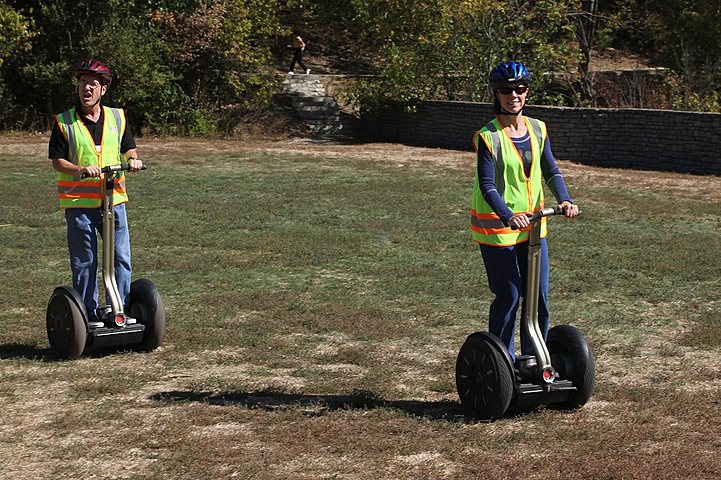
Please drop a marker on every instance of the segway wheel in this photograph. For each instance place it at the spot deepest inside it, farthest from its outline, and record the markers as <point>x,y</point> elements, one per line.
<point>65,319</point>
<point>146,306</point>
<point>483,378</point>
<point>572,358</point>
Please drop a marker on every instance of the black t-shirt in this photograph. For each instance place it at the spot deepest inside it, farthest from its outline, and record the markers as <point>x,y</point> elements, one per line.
<point>59,148</point>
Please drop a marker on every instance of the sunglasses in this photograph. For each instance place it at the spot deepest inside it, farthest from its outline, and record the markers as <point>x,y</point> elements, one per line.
<point>519,89</point>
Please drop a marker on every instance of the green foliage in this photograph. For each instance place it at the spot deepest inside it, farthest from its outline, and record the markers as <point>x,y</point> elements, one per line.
<point>683,35</point>
<point>179,67</point>
<point>198,67</point>
<point>443,49</point>
<point>14,32</point>
<point>15,36</point>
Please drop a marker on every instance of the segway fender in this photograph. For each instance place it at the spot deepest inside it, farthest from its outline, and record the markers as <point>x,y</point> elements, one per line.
<point>496,342</point>
<point>67,323</point>
<point>574,361</point>
<point>146,305</point>
<point>74,296</point>
<point>484,376</point>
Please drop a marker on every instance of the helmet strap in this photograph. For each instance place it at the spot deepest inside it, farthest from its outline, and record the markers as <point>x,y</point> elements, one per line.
<point>506,112</point>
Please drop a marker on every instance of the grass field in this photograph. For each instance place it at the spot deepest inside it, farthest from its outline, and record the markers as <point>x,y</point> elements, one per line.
<point>316,297</point>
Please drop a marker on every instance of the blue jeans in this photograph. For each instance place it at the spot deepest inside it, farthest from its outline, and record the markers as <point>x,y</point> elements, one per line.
<point>506,268</point>
<point>84,227</point>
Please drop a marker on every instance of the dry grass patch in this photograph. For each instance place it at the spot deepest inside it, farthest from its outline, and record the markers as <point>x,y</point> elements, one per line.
<point>316,297</point>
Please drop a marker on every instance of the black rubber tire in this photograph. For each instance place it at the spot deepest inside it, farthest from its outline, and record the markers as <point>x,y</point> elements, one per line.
<point>65,320</point>
<point>573,360</point>
<point>146,306</point>
<point>483,379</point>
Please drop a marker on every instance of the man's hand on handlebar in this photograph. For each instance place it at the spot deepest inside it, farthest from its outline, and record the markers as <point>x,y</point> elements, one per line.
<point>134,165</point>
<point>91,171</point>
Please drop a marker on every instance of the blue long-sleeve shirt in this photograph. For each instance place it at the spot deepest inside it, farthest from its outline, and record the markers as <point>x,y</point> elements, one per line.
<point>487,175</point>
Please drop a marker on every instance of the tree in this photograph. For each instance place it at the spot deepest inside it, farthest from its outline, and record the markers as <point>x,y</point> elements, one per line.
<point>185,67</point>
<point>586,32</point>
<point>15,37</point>
<point>683,35</point>
<point>445,49</point>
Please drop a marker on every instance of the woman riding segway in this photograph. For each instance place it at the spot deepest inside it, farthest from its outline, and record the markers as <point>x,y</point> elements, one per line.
<point>513,159</point>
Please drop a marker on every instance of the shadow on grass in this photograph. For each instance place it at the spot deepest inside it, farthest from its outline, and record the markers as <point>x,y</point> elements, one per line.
<point>318,405</point>
<point>18,350</point>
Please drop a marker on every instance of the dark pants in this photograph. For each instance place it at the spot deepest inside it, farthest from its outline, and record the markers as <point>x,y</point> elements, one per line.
<point>297,58</point>
<point>506,268</point>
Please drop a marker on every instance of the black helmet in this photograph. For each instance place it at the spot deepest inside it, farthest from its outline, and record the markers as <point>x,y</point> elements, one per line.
<point>509,72</point>
<point>95,68</point>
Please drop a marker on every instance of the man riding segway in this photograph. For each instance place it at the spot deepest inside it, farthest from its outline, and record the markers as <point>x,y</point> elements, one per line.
<point>90,147</point>
<point>83,140</point>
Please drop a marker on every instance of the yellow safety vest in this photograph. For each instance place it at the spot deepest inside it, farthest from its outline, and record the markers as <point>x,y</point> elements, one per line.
<point>520,193</point>
<point>75,192</point>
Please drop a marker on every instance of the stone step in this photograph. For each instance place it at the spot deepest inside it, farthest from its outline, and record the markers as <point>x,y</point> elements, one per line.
<point>325,102</point>
<point>318,115</point>
<point>316,92</point>
<point>312,104</point>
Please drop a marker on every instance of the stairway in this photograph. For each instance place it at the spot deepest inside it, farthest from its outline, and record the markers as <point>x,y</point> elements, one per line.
<point>317,110</point>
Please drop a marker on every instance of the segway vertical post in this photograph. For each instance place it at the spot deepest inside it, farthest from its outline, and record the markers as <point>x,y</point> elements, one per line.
<point>529,322</point>
<point>111,286</point>
<point>489,383</point>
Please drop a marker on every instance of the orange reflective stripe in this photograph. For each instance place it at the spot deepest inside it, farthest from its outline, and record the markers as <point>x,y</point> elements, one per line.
<point>71,195</point>
<point>495,231</point>
<point>119,187</point>
<point>489,224</point>
<point>78,184</point>
<point>483,215</point>
<point>79,189</point>
<point>79,192</point>
<point>484,220</point>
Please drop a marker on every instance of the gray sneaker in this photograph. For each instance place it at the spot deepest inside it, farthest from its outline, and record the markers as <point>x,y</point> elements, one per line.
<point>95,322</point>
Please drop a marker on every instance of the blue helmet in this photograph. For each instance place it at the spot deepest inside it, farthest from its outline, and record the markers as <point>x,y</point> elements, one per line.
<point>509,72</point>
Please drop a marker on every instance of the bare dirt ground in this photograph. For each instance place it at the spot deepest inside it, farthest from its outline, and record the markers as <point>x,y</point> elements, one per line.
<point>179,149</point>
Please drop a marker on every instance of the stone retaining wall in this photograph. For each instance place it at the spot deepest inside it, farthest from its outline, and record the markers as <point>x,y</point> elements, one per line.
<point>627,138</point>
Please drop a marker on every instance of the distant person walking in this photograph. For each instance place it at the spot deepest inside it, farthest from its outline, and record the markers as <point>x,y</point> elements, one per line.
<point>298,46</point>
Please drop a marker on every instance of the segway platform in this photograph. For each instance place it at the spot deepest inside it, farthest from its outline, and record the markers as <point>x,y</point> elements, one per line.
<point>561,373</point>
<point>140,323</point>
<point>103,336</point>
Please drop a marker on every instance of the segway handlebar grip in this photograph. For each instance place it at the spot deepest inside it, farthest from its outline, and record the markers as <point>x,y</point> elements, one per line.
<point>544,212</point>
<point>114,168</point>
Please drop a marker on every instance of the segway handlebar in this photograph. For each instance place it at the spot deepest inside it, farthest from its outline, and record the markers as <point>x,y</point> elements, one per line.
<point>114,168</point>
<point>544,212</point>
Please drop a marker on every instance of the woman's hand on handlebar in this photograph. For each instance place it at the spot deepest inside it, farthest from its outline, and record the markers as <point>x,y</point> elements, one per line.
<point>569,209</point>
<point>519,221</point>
